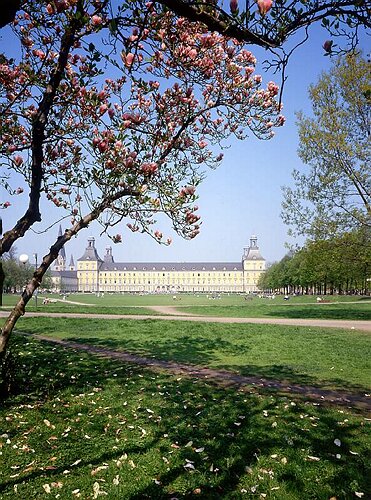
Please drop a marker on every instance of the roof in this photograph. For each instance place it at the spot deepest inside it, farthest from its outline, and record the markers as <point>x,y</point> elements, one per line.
<point>171,266</point>
<point>253,254</point>
<point>91,252</point>
<point>63,274</point>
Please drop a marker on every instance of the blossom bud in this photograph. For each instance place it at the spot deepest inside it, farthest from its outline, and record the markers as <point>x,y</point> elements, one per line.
<point>96,20</point>
<point>328,46</point>
<point>264,6</point>
<point>117,238</point>
<point>18,160</point>
<point>103,146</point>
<point>233,5</point>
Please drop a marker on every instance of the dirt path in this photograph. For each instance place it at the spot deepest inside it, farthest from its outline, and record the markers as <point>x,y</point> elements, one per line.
<point>226,378</point>
<point>321,323</point>
<point>170,310</point>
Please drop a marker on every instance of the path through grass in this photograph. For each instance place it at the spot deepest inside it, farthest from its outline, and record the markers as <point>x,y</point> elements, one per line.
<point>333,358</point>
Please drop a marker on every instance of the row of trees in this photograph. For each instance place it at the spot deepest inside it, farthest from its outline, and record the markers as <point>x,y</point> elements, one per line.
<point>340,265</point>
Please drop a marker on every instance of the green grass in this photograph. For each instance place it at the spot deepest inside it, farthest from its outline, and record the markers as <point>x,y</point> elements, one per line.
<point>347,310</point>
<point>352,307</point>
<point>321,356</point>
<point>77,424</point>
<point>103,307</point>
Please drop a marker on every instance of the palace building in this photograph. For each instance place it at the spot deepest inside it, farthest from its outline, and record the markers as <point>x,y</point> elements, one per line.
<point>94,274</point>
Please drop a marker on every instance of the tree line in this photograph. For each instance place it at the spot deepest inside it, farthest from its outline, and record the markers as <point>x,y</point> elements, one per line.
<point>340,265</point>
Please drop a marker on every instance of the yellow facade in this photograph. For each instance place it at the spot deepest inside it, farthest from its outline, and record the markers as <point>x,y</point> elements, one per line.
<point>97,275</point>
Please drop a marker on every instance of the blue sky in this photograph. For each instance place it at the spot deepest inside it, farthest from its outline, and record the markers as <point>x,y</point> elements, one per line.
<point>242,197</point>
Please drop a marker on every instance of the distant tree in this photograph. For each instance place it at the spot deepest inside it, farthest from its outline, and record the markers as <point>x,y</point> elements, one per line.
<point>127,146</point>
<point>340,264</point>
<point>334,195</point>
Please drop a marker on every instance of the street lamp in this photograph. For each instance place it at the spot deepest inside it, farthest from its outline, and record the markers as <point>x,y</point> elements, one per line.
<point>23,258</point>
<point>35,257</point>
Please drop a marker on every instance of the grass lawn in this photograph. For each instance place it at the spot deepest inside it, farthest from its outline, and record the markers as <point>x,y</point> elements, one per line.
<point>273,309</point>
<point>352,307</point>
<point>320,356</point>
<point>77,426</point>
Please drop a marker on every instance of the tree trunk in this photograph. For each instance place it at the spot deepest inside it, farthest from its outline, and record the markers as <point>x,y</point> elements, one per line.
<point>2,276</point>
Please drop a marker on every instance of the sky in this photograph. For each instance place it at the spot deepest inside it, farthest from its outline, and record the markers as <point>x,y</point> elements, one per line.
<point>239,199</point>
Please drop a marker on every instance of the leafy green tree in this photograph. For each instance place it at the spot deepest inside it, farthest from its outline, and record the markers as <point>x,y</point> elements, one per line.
<point>333,195</point>
<point>339,265</point>
<point>16,275</point>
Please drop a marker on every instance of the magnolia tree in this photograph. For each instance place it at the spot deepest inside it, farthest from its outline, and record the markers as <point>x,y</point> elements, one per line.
<point>113,116</point>
<point>268,23</point>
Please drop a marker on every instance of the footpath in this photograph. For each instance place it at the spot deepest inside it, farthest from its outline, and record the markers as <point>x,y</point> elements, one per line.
<point>226,378</point>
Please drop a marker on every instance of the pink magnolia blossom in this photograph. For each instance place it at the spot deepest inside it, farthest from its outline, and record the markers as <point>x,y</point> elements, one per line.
<point>264,6</point>
<point>96,20</point>
<point>103,146</point>
<point>117,238</point>
<point>233,5</point>
<point>127,59</point>
<point>328,45</point>
<point>18,160</point>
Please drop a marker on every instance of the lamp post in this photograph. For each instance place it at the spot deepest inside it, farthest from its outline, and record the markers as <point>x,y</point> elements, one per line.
<point>35,257</point>
<point>23,259</point>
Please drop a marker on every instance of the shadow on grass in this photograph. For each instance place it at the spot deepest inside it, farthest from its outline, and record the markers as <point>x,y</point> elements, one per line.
<point>321,311</point>
<point>287,376</point>
<point>187,349</point>
<point>237,430</point>
<point>200,352</point>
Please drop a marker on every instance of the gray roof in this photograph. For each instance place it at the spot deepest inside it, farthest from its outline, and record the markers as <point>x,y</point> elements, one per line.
<point>171,266</point>
<point>253,254</point>
<point>91,252</point>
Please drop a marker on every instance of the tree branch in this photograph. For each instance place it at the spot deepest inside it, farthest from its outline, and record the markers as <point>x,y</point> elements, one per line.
<point>19,308</point>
